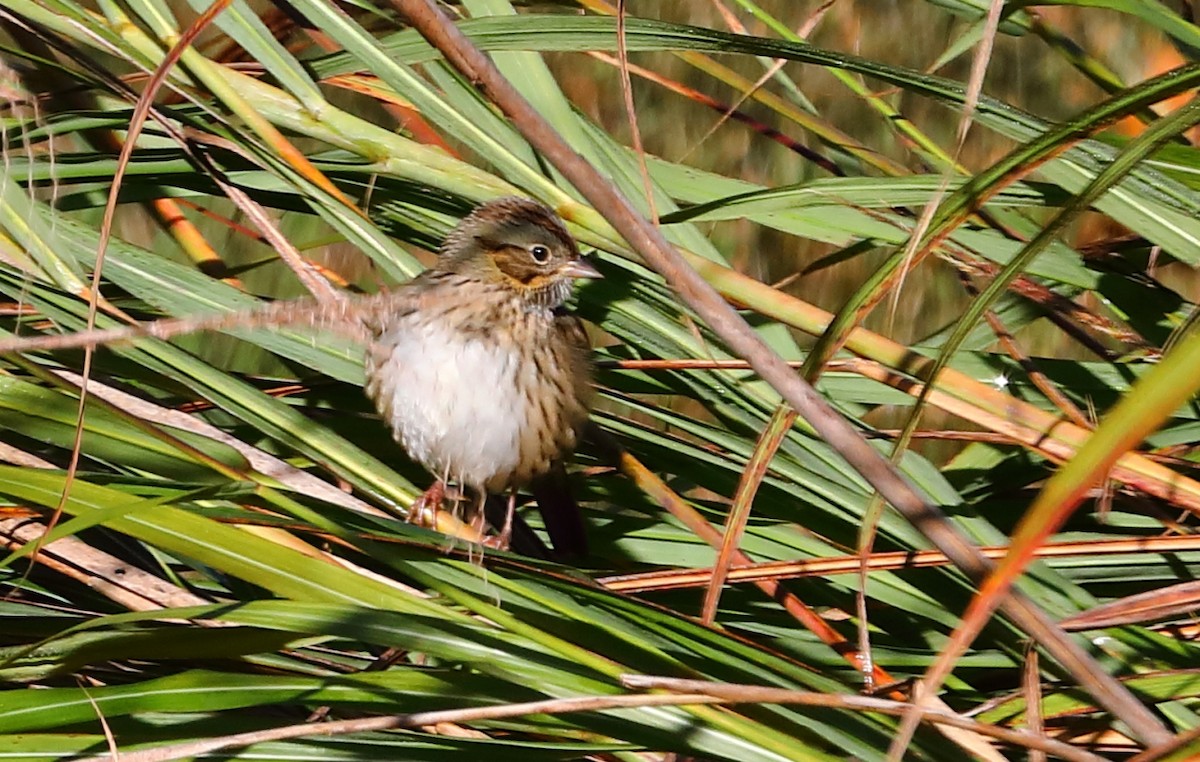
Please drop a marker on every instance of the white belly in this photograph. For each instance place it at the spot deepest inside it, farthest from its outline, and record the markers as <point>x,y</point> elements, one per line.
<point>453,402</point>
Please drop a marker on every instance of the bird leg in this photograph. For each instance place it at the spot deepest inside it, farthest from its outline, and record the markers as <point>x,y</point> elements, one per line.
<point>505,537</point>
<point>423,512</point>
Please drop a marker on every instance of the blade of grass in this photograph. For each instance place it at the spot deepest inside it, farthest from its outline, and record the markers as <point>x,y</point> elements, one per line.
<point>764,451</point>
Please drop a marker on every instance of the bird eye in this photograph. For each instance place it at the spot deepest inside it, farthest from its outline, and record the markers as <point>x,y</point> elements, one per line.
<point>540,254</point>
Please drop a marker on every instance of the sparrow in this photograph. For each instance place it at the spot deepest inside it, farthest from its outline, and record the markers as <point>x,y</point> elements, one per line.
<point>484,377</point>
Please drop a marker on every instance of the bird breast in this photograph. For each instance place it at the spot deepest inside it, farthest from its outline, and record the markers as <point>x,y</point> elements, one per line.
<point>484,405</point>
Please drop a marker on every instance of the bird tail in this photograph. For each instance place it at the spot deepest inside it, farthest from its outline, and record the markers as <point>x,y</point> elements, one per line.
<point>560,514</point>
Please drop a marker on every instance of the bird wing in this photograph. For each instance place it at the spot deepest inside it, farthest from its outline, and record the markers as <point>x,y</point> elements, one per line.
<point>575,335</point>
<point>560,512</point>
<point>571,328</point>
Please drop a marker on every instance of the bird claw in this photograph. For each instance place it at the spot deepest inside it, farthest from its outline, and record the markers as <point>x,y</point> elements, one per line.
<point>503,539</point>
<point>494,542</point>
<point>500,541</point>
<point>424,510</point>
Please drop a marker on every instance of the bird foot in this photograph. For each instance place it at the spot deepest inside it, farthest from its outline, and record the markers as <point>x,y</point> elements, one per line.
<point>499,541</point>
<point>503,539</point>
<point>424,510</point>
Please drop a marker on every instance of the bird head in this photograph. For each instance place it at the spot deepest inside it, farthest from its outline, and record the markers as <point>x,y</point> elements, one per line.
<point>519,243</point>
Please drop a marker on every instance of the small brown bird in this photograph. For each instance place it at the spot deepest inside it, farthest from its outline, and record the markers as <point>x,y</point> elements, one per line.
<point>487,382</point>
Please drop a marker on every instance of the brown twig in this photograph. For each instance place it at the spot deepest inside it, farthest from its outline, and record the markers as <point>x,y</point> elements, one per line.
<point>415,720</point>
<point>728,112</point>
<point>343,316</point>
<point>897,560</point>
<point>697,692</point>
<point>1033,700</point>
<point>736,693</point>
<point>1173,745</point>
<point>631,113</point>
<point>1009,342</point>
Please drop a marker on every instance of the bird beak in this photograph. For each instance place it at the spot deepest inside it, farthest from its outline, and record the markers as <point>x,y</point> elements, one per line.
<point>580,268</point>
